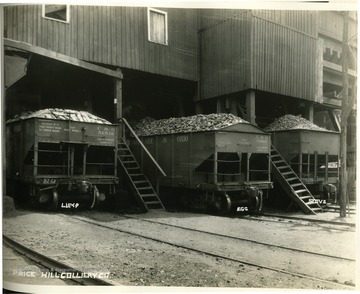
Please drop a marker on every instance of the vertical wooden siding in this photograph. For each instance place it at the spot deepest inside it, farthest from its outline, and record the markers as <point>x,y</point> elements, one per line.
<point>304,21</point>
<point>273,52</point>
<point>111,35</point>
<point>330,23</point>
<point>283,60</point>
<point>225,57</point>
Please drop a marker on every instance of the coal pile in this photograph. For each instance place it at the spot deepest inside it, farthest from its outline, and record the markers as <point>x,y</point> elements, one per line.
<point>292,122</point>
<point>61,114</point>
<point>196,123</point>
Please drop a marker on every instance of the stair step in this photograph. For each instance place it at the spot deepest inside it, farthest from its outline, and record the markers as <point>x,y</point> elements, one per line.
<point>291,179</point>
<point>275,155</point>
<point>132,168</point>
<point>287,173</point>
<point>139,182</point>
<point>129,161</point>
<point>296,185</point>
<point>145,188</point>
<point>282,167</point>
<point>147,195</point>
<point>136,175</point>
<point>278,161</point>
<point>316,209</point>
<point>300,191</point>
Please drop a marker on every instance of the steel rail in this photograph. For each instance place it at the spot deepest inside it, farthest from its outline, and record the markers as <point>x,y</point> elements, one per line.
<point>305,219</point>
<point>54,265</point>
<point>216,255</point>
<point>249,217</point>
<point>244,239</point>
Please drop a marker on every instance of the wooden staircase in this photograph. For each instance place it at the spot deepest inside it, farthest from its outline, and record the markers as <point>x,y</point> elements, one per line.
<point>292,184</point>
<point>139,183</point>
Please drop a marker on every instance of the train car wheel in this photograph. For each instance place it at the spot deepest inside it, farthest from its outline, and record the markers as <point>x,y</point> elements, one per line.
<point>222,203</point>
<point>55,200</point>
<point>95,195</point>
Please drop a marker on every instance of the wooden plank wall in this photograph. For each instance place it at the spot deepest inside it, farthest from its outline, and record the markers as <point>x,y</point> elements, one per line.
<point>303,21</point>
<point>111,35</point>
<point>225,58</point>
<point>330,24</point>
<point>272,51</point>
<point>283,59</point>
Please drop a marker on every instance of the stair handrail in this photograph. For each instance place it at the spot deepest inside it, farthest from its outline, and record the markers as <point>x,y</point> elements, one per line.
<point>318,205</point>
<point>143,146</point>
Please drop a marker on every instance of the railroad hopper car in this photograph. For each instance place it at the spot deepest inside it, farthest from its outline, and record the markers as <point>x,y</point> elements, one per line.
<point>57,162</point>
<point>314,156</point>
<point>222,169</point>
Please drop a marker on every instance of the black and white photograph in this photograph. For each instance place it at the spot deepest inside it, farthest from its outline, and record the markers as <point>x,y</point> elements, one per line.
<point>179,146</point>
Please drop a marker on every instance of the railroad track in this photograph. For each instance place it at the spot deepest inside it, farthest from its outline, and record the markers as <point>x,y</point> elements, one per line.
<point>55,267</point>
<point>307,219</point>
<point>345,227</point>
<point>223,255</point>
<point>244,239</point>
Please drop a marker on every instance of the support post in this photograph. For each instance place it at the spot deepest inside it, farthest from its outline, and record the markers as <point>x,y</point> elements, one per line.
<point>118,104</point>
<point>219,108</point>
<point>118,97</point>
<point>198,107</point>
<point>315,165</point>
<point>84,160</point>
<point>326,166</point>
<point>215,166</point>
<point>248,166</point>
<point>308,165</point>
<point>345,105</point>
<point>310,111</point>
<point>250,107</point>
<point>36,158</point>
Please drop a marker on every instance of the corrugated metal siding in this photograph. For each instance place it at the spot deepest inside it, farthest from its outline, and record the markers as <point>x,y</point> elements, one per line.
<point>283,60</point>
<point>111,35</point>
<point>225,58</point>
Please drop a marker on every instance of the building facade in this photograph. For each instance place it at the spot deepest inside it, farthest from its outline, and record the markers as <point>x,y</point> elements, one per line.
<point>257,64</point>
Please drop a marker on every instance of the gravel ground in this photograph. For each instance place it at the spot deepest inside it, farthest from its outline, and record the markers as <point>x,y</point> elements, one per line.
<point>135,261</point>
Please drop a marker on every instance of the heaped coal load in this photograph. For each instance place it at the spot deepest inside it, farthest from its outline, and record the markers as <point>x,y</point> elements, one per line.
<point>215,161</point>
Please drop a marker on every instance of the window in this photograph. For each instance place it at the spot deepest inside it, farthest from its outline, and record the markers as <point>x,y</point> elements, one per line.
<point>157,26</point>
<point>56,12</point>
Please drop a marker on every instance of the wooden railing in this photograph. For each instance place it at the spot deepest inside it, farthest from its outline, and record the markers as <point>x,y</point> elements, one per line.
<point>143,146</point>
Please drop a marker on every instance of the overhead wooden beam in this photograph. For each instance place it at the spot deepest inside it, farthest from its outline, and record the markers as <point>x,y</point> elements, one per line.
<point>338,68</point>
<point>61,57</point>
<point>332,102</point>
<point>15,69</point>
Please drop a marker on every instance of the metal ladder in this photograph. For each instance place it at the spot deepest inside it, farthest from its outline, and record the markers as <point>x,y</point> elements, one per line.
<point>140,185</point>
<point>292,184</point>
